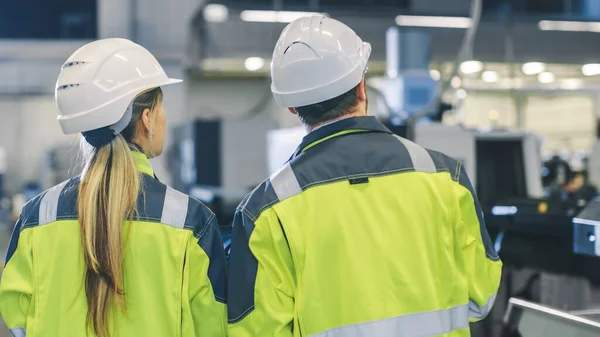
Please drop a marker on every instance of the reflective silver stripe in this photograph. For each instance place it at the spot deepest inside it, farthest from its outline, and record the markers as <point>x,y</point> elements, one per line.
<point>480,312</point>
<point>420,158</point>
<point>285,183</point>
<point>49,204</point>
<point>174,208</point>
<point>18,332</point>
<point>424,324</point>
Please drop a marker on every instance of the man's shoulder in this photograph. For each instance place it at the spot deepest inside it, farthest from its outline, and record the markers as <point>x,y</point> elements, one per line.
<point>444,162</point>
<point>258,200</point>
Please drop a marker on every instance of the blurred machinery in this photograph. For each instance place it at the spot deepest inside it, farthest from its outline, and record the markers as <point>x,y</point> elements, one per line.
<point>527,319</point>
<point>219,161</point>
<point>60,163</point>
<point>407,87</point>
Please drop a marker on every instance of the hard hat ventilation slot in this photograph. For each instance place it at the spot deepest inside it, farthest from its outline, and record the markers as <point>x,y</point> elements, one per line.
<point>68,86</point>
<point>74,63</point>
<point>299,42</point>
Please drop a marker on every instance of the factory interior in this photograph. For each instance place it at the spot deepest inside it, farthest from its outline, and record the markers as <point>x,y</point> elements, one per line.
<point>510,88</point>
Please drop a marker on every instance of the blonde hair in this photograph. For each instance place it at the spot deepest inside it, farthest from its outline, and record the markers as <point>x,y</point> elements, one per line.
<point>108,194</point>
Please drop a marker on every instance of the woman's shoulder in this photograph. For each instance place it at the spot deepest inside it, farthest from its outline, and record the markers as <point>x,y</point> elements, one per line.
<point>57,202</point>
<point>165,204</point>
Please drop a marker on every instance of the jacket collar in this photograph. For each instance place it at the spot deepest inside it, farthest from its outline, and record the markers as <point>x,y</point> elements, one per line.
<point>366,123</point>
<point>142,163</point>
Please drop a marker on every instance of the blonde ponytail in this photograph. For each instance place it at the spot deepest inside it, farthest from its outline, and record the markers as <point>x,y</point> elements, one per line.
<point>108,193</point>
<point>107,198</point>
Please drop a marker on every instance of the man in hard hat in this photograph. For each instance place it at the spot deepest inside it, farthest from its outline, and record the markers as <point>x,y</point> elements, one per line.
<point>361,233</point>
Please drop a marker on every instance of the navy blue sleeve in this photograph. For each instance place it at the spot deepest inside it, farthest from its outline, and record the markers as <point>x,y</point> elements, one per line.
<point>14,240</point>
<point>490,251</point>
<point>243,268</point>
<point>212,244</point>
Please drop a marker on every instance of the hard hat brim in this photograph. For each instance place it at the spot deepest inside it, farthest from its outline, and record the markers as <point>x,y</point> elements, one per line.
<point>95,120</point>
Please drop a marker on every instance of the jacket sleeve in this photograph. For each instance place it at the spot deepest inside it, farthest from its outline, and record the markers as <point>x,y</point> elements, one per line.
<point>483,266</point>
<point>16,286</point>
<point>205,280</point>
<point>262,283</point>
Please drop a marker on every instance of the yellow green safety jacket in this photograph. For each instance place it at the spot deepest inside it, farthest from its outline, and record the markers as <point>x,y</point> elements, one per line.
<point>361,234</point>
<point>174,264</point>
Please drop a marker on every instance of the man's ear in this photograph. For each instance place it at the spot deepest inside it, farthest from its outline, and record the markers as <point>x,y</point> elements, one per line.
<point>361,91</point>
<point>293,111</point>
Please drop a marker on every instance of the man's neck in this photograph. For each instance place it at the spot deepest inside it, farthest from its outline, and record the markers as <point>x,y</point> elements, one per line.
<point>310,128</point>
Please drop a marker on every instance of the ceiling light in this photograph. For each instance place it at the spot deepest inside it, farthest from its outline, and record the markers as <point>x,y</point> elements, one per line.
<point>533,68</point>
<point>546,77</point>
<point>435,74</point>
<point>274,16</point>
<point>254,63</point>
<point>433,21</point>
<point>493,115</point>
<point>489,76</point>
<point>456,82</point>
<point>471,67</point>
<point>571,83</point>
<point>591,69</point>
<point>569,26</point>
<point>215,13</point>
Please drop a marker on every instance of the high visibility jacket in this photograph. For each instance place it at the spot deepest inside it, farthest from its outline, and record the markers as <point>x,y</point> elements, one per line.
<point>174,267</point>
<point>361,234</point>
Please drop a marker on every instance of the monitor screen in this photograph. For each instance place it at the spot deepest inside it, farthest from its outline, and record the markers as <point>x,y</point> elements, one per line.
<point>500,170</point>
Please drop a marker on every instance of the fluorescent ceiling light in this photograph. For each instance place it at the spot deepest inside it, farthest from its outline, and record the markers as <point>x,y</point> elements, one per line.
<point>435,74</point>
<point>433,21</point>
<point>215,13</point>
<point>570,26</point>
<point>533,68</point>
<point>456,82</point>
<point>571,83</point>
<point>591,69</point>
<point>471,67</point>
<point>254,63</point>
<point>489,76</point>
<point>274,16</point>
<point>546,77</point>
<point>493,115</point>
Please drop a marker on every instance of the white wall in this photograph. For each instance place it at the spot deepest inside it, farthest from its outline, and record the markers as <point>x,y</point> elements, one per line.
<point>480,110</point>
<point>565,122</point>
<point>28,129</point>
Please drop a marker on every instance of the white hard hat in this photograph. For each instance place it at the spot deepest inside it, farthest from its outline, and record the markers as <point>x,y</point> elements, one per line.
<point>99,81</point>
<point>316,59</point>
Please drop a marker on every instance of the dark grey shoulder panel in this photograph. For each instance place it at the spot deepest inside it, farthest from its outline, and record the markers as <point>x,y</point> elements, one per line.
<point>56,203</point>
<point>445,163</point>
<point>151,201</point>
<point>348,157</point>
<point>30,214</point>
<point>360,155</point>
<point>198,217</point>
<point>67,202</point>
<point>262,197</point>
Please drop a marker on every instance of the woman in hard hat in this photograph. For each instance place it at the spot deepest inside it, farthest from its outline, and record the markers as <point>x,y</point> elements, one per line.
<point>114,252</point>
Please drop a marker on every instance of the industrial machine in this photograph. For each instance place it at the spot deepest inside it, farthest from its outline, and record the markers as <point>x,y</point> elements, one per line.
<point>210,160</point>
<point>527,319</point>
